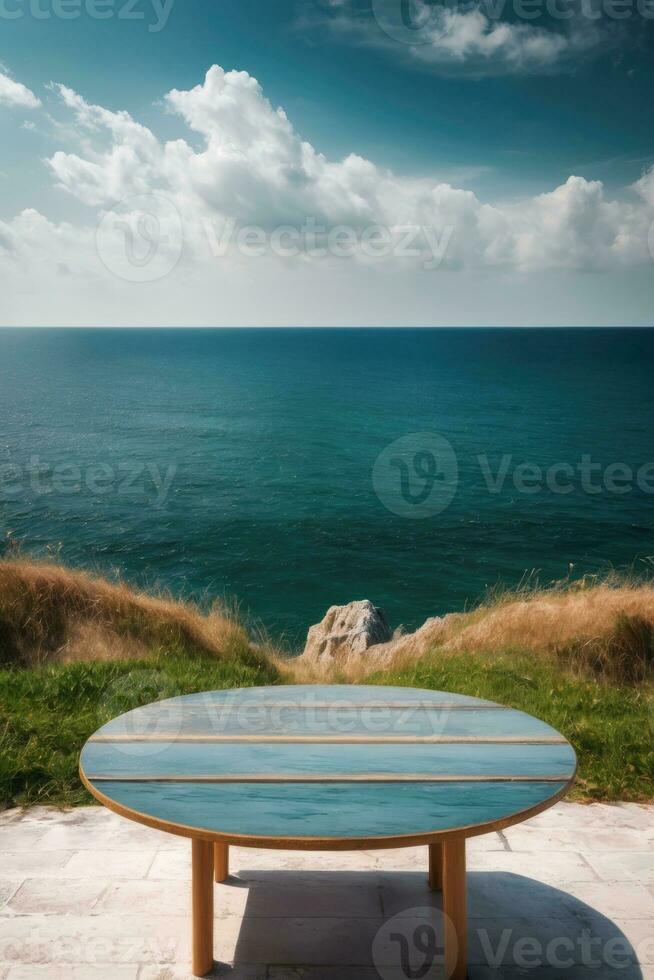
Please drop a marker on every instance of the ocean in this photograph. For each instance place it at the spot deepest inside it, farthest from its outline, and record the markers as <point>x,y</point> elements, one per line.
<point>296,469</point>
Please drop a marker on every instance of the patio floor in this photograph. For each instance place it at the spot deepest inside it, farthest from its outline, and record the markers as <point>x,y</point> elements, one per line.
<point>86,895</point>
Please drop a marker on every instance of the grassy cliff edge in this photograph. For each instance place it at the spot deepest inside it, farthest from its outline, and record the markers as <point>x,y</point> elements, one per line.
<point>77,650</point>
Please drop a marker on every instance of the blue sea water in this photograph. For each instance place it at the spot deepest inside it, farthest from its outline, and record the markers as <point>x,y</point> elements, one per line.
<point>256,463</point>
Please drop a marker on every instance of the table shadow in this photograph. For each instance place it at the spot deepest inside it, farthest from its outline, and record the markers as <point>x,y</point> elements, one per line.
<point>342,925</point>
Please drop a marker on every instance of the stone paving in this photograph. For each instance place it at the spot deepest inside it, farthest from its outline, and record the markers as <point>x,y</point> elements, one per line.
<point>86,895</point>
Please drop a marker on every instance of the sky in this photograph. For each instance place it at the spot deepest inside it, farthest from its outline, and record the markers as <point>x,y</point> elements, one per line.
<point>326,162</point>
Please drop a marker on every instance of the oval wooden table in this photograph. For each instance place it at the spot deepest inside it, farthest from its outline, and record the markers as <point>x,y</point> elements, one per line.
<point>328,767</point>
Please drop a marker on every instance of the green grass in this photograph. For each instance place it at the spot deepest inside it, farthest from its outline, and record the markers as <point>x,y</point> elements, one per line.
<point>47,713</point>
<point>611,727</point>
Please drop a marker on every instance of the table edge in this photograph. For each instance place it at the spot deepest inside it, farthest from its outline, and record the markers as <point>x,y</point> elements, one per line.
<point>327,843</point>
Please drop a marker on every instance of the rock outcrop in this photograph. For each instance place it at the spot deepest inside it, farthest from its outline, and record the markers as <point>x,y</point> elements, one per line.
<point>346,631</point>
<point>357,639</point>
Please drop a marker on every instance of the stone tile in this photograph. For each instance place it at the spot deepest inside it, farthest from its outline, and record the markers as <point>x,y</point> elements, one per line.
<point>559,869</point>
<point>8,888</point>
<point>18,837</point>
<point>305,916</point>
<point>108,864</point>
<point>50,896</point>
<point>123,836</point>
<point>502,895</point>
<point>303,972</point>
<point>109,971</point>
<point>250,858</point>
<point>38,861</point>
<point>494,940</point>
<point>630,813</point>
<point>221,971</point>
<point>73,939</point>
<point>485,843</point>
<point>600,815</point>
<point>522,942</point>
<point>304,894</point>
<point>638,932</point>
<point>624,866</point>
<point>516,941</point>
<point>43,815</point>
<point>400,892</point>
<point>157,897</point>
<point>323,973</point>
<point>312,941</point>
<point>414,858</point>
<point>172,865</point>
<point>583,840</point>
<point>170,899</point>
<point>617,839</point>
<point>175,863</point>
<point>554,943</point>
<point>480,972</point>
<point>490,894</point>
<point>618,901</point>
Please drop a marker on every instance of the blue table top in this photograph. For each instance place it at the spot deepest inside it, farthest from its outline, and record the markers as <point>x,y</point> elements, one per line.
<point>327,765</point>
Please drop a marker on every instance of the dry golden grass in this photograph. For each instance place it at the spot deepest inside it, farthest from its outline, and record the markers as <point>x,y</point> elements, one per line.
<point>594,628</point>
<point>49,613</point>
<point>578,656</point>
<point>606,627</point>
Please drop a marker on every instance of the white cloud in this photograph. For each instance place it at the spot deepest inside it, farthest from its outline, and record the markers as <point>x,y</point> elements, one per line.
<point>254,167</point>
<point>15,94</point>
<point>465,38</point>
<point>645,187</point>
<point>486,46</point>
<point>250,167</point>
<point>129,166</point>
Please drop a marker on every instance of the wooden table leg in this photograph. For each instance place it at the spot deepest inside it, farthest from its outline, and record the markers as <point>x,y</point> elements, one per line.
<point>202,891</point>
<point>436,867</point>
<point>454,909</point>
<point>221,861</point>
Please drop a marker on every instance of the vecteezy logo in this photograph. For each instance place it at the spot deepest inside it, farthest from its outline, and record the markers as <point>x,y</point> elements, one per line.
<point>417,475</point>
<point>410,946</point>
<point>409,21</point>
<point>141,239</point>
<point>141,689</point>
